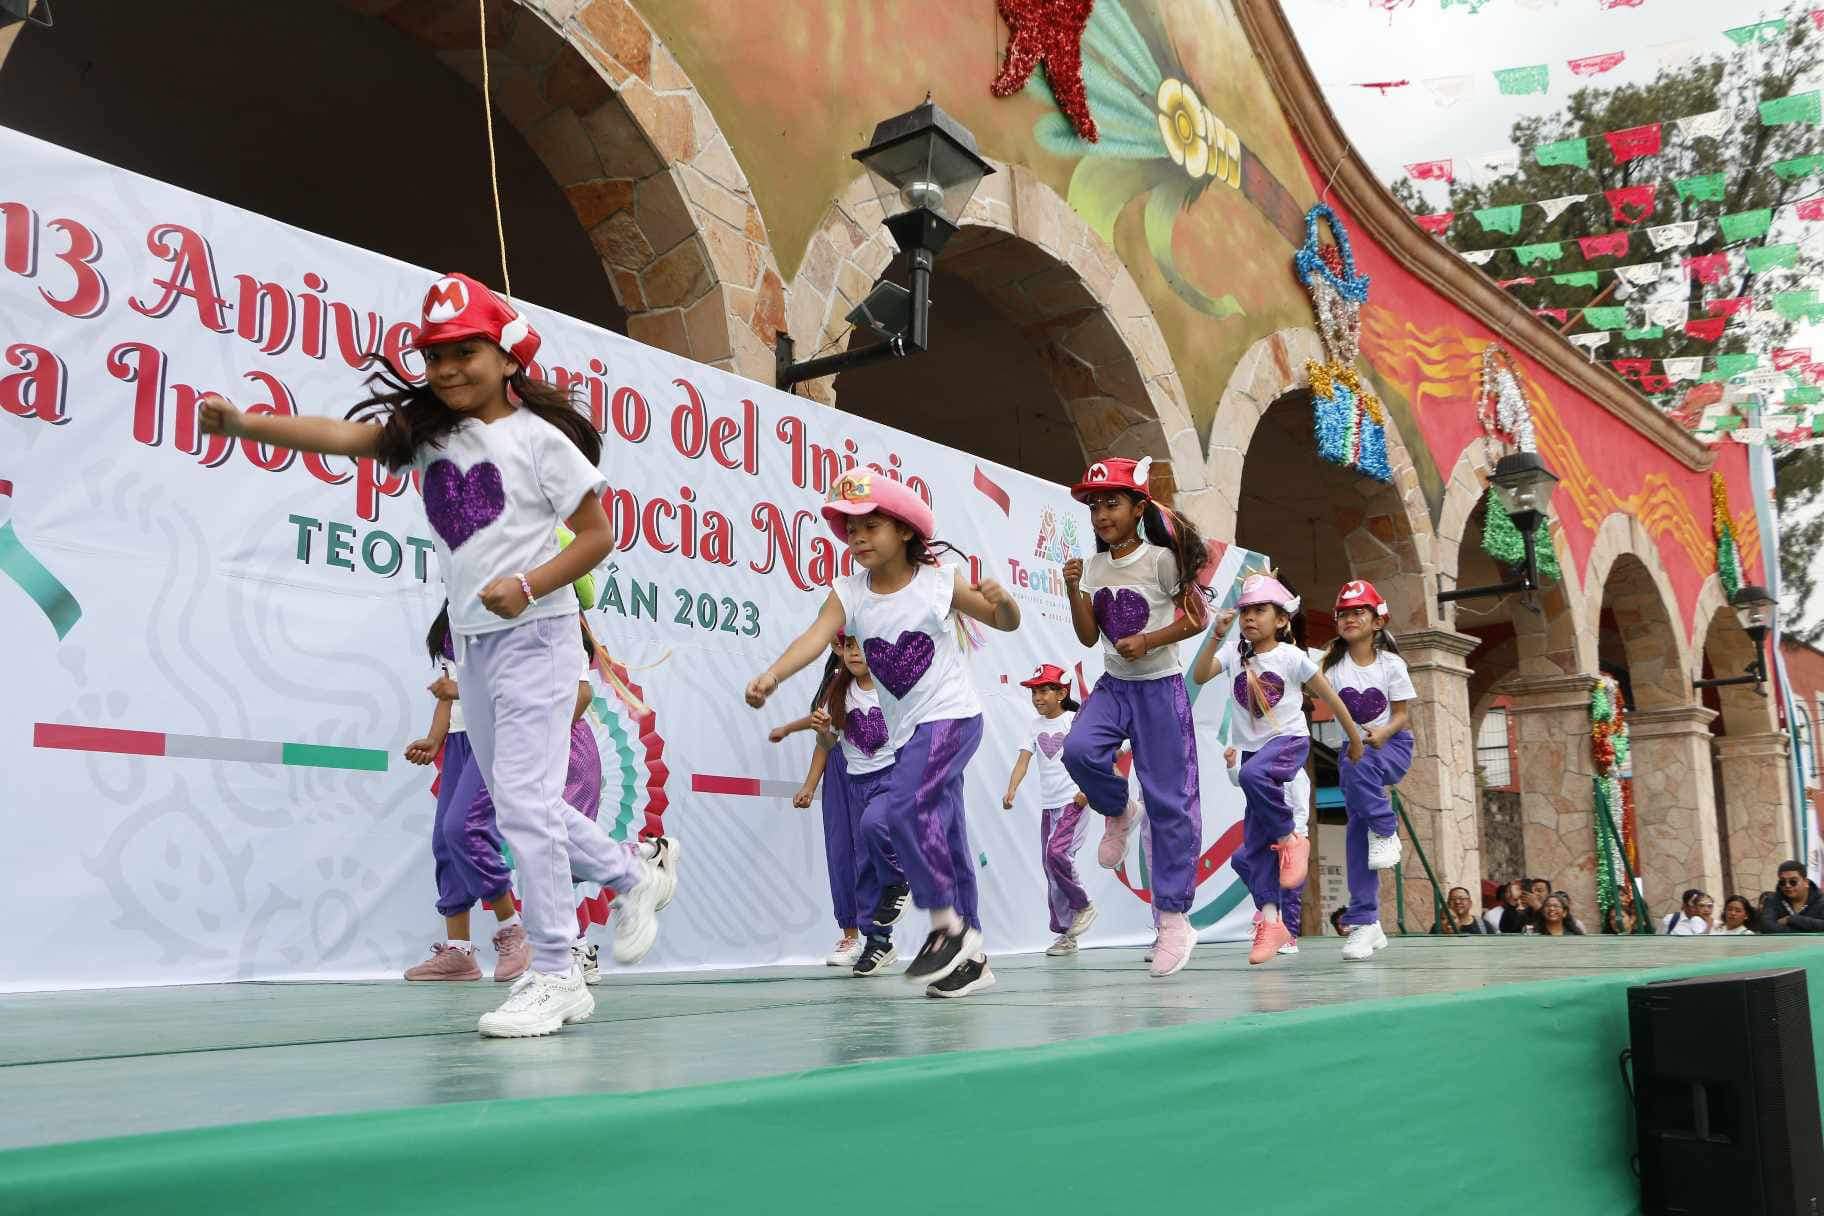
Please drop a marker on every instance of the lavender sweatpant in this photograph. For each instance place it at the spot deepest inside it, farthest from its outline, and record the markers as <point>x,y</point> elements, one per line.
<point>1061,834</point>
<point>854,887</point>
<point>1154,718</point>
<point>921,812</point>
<point>1365,783</point>
<point>519,686</point>
<point>1268,817</point>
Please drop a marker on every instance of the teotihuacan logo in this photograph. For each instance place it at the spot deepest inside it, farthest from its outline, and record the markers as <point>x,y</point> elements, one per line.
<point>1057,540</point>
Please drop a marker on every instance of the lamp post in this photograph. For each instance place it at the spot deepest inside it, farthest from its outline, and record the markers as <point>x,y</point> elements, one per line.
<point>925,168</point>
<point>1524,486</point>
<point>1755,610</point>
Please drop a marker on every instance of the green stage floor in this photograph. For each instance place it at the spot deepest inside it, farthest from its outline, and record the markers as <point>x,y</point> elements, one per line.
<point>757,1068</point>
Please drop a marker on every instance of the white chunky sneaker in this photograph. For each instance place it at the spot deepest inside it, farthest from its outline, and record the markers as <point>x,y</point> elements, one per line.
<point>1290,947</point>
<point>665,854</point>
<point>1066,944</point>
<point>636,922</point>
<point>847,952</point>
<point>538,1005</point>
<point>588,961</point>
<point>1363,941</point>
<point>1383,851</point>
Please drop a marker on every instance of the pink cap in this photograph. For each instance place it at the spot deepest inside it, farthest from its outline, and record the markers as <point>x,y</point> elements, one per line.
<point>863,491</point>
<point>1265,589</point>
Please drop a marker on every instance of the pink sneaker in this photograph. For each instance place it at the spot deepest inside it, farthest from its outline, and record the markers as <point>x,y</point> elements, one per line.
<point>512,954</point>
<point>446,963</point>
<point>1173,949</point>
<point>1269,936</point>
<point>1115,831</point>
<point>1294,862</point>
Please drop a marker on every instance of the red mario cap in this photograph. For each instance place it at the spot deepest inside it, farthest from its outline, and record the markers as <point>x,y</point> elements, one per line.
<point>1115,473</point>
<point>458,307</point>
<point>1361,594</point>
<point>1047,673</point>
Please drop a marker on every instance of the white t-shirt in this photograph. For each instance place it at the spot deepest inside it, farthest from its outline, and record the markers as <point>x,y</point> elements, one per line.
<point>1492,917</point>
<point>1298,797</point>
<point>863,732</point>
<point>912,650</point>
<point>1045,740</point>
<point>1369,693</point>
<point>1134,595</point>
<point>1689,926</point>
<point>494,494</point>
<point>1739,931</point>
<point>1282,672</point>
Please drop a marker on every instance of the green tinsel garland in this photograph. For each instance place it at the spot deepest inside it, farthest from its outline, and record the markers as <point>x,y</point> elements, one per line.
<point>1728,562</point>
<point>1503,542</point>
<point>1608,852</point>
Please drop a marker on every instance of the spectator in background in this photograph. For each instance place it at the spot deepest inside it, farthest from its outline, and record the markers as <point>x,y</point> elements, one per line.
<point>1687,908</point>
<point>1510,902</point>
<point>1620,920</point>
<point>1795,905</point>
<point>1555,919</point>
<point>1738,915</point>
<point>1703,916</point>
<point>1564,897</point>
<point>1459,918</point>
<point>1533,892</point>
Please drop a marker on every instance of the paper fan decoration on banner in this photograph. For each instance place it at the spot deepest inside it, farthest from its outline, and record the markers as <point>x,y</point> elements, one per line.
<point>633,774</point>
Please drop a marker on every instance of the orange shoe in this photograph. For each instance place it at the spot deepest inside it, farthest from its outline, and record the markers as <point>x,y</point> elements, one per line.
<point>1294,862</point>
<point>1269,936</point>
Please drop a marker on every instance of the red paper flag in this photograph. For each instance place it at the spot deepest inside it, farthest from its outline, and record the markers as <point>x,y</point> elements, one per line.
<point>1708,267</point>
<point>1631,369</point>
<point>1522,281</point>
<point>1810,209</point>
<point>1817,18</point>
<point>1707,330</point>
<point>1381,86</point>
<point>1634,142</point>
<point>1560,315</point>
<point>1786,358</point>
<point>1596,65</point>
<point>1608,245</point>
<point>1728,306</point>
<point>1813,373</point>
<point>1655,382</point>
<point>1704,394</point>
<point>994,493</point>
<point>1433,170</point>
<point>1437,224</point>
<point>1631,204</point>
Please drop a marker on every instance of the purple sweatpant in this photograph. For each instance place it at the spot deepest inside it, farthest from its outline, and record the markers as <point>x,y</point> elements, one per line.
<point>1061,834</point>
<point>519,689</point>
<point>1268,817</point>
<point>1365,783</point>
<point>854,887</point>
<point>921,812</point>
<point>1154,718</point>
<point>1291,899</point>
<point>465,845</point>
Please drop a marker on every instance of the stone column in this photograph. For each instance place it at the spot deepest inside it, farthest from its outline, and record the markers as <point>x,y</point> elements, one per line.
<point>1551,717</point>
<point>1440,789</point>
<point>1758,808</point>
<point>1675,801</point>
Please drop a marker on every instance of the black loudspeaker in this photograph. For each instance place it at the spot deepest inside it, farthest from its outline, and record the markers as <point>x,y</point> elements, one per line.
<point>1726,1096</point>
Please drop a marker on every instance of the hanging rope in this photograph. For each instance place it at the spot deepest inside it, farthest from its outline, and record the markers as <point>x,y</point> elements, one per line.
<point>487,108</point>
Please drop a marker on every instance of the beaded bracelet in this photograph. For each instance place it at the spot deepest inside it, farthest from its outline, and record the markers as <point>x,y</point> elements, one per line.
<point>525,585</point>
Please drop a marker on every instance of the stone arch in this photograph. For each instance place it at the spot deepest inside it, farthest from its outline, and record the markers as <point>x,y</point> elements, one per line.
<point>1041,265</point>
<point>1717,642</point>
<point>1624,575</point>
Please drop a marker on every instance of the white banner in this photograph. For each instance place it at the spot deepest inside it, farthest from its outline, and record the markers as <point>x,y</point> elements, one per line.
<point>214,653</point>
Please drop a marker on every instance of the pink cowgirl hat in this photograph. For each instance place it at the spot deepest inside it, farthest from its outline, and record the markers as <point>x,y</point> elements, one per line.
<point>1265,589</point>
<point>458,307</point>
<point>864,492</point>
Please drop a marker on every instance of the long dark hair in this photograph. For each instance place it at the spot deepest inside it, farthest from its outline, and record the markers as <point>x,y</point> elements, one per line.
<point>922,552</point>
<point>1166,528</point>
<point>1339,646</point>
<point>410,415</point>
<point>437,640</point>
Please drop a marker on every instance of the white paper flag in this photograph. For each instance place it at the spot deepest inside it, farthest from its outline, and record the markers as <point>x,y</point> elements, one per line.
<point>1749,434</point>
<point>1479,257</point>
<point>1684,369</point>
<point>1766,379</point>
<point>1592,340</point>
<point>1667,313</point>
<point>1555,207</point>
<point>1781,422</point>
<point>1497,164</point>
<point>1642,274</point>
<point>1712,124</point>
<point>1673,236</point>
<point>1447,91</point>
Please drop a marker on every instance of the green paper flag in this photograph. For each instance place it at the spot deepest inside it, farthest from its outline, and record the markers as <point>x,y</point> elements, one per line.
<point>1799,166</point>
<point>1800,107</point>
<point>1516,82</point>
<point>1564,152</point>
<point>1643,335</point>
<point>1578,278</point>
<point>1807,395</point>
<point>1735,365</point>
<point>1798,305</point>
<point>1769,257</point>
<point>1606,318</point>
<point>1727,423</point>
<point>1499,219</point>
<point>1706,189</point>
<point>1746,225</point>
<point>1545,251</point>
<point>1760,31</point>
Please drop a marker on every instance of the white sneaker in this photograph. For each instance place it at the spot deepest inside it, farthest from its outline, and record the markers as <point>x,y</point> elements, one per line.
<point>1290,947</point>
<point>1080,923</point>
<point>588,961</point>
<point>1363,941</point>
<point>1066,944</point>
<point>636,922</point>
<point>538,1005</point>
<point>847,952</point>
<point>665,854</point>
<point>1383,851</point>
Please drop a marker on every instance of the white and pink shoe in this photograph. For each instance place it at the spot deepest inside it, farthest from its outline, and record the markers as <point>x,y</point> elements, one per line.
<point>1173,948</point>
<point>1115,830</point>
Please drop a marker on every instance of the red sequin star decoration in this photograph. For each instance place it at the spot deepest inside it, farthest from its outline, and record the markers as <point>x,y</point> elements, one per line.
<point>1052,31</point>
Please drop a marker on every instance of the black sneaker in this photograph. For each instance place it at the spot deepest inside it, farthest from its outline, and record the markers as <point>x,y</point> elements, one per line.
<point>972,975</point>
<point>943,953</point>
<point>876,957</point>
<point>892,905</point>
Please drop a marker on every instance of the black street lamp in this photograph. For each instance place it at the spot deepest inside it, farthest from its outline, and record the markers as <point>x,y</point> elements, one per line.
<point>1755,610</point>
<point>925,168</point>
<point>1524,486</point>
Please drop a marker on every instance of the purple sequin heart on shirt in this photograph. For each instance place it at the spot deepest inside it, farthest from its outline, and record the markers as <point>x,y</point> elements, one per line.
<point>1121,614</point>
<point>1363,704</point>
<point>1270,683</point>
<point>899,665</point>
<point>461,504</point>
<point>866,733</point>
<point>1051,744</point>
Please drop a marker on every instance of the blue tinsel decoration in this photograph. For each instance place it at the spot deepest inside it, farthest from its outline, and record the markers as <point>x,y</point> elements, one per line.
<point>1308,262</point>
<point>1373,459</point>
<point>1334,416</point>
